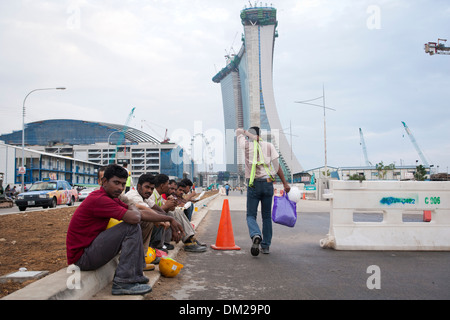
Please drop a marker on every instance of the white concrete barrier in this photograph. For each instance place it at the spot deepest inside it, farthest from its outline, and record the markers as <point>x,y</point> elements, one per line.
<point>391,200</point>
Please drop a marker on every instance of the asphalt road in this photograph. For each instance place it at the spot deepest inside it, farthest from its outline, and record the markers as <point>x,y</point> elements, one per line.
<point>299,269</point>
<point>15,209</point>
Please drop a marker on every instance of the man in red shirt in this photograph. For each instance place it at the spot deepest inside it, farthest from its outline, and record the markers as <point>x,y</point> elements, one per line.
<point>90,245</point>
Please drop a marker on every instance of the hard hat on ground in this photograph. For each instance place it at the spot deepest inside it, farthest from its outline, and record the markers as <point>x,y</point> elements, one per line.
<point>169,268</point>
<point>150,256</point>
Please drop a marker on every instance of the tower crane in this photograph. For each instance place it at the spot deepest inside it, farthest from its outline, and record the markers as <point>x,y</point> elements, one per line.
<point>121,137</point>
<point>413,140</point>
<point>363,144</point>
<point>437,47</point>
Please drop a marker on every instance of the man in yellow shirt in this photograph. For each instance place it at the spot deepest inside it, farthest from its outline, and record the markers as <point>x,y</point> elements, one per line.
<point>129,181</point>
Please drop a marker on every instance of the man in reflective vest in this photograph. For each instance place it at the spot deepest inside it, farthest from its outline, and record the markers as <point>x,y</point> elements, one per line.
<point>261,167</point>
<point>128,183</point>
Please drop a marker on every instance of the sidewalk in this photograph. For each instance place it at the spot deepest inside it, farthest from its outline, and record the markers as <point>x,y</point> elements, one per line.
<point>95,285</point>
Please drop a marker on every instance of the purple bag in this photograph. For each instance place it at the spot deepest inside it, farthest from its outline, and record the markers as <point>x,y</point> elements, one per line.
<point>284,211</point>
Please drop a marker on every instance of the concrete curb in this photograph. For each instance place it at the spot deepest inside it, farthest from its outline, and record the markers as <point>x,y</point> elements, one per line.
<point>91,284</point>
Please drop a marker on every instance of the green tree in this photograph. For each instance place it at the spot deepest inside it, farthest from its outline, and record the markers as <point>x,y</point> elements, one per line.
<point>356,176</point>
<point>420,174</point>
<point>382,169</point>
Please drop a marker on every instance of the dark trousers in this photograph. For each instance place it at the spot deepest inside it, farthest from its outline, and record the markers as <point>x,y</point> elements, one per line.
<point>124,238</point>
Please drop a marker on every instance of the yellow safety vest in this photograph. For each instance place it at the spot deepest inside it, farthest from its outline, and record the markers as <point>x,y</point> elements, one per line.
<point>257,150</point>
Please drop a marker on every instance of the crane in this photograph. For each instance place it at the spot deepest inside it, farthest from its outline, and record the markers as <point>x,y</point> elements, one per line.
<point>363,144</point>
<point>121,137</point>
<point>166,138</point>
<point>437,47</point>
<point>413,140</point>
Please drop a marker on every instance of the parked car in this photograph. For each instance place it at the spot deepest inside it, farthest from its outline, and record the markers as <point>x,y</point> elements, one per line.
<point>84,193</point>
<point>47,193</point>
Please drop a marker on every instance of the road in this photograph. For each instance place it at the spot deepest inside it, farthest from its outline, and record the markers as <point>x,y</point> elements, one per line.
<point>298,268</point>
<point>15,209</point>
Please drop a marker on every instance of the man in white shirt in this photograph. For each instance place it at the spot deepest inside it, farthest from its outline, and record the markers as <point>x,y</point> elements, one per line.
<point>141,197</point>
<point>261,168</point>
<point>169,206</point>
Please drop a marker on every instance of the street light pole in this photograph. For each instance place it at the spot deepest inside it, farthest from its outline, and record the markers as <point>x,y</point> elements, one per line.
<point>324,122</point>
<point>23,129</point>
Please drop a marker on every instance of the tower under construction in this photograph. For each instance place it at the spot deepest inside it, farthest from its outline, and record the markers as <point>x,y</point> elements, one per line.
<point>247,88</point>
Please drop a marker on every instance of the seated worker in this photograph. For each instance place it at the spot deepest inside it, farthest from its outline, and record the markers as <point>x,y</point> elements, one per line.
<point>161,236</point>
<point>191,244</point>
<point>146,226</point>
<point>140,198</point>
<point>181,201</point>
<point>172,185</point>
<point>190,194</point>
<point>179,194</point>
<point>90,245</point>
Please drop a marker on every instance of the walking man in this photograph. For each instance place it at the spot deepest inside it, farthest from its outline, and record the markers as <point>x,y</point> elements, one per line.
<point>261,167</point>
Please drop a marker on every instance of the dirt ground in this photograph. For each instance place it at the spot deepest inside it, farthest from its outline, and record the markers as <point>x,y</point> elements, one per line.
<point>33,240</point>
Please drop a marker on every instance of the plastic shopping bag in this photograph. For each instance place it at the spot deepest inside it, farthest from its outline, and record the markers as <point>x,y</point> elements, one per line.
<point>284,211</point>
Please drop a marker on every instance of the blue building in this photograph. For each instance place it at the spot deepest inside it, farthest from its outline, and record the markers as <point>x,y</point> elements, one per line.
<point>100,143</point>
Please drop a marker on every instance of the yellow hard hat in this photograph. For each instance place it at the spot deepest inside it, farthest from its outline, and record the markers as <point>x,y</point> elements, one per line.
<point>150,256</point>
<point>169,268</point>
<point>112,222</point>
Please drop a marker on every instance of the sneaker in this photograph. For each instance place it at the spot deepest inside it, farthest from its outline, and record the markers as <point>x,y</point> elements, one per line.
<point>130,288</point>
<point>149,267</point>
<point>169,246</point>
<point>265,250</point>
<point>192,246</point>
<point>255,246</point>
<point>201,244</point>
<point>143,280</point>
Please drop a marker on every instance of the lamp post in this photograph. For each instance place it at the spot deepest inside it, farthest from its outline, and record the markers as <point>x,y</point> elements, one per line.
<point>23,129</point>
<point>324,121</point>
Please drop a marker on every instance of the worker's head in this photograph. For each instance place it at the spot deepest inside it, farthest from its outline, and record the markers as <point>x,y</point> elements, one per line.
<point>187,185</point>
<point>146,185</point>
<point>100,173</point>
<point>172,187</point>
<point>114,180</point>
<point>162,183</point>
<point>181,189</point>
<point>255,131</point>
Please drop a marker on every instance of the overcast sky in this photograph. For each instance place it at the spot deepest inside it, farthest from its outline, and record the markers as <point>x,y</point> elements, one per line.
<point>160,56</point>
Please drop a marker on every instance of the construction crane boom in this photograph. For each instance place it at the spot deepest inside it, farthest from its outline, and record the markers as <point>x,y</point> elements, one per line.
<point>437,47</point>
<point>121,137</point>
<point>363,144</point>
<point>414,142</point>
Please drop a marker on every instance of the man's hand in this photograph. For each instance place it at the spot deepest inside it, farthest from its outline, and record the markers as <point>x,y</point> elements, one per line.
<point>164,224</point>
<point>177,230</point>
<point>169,205</point>
<point>287,187</point>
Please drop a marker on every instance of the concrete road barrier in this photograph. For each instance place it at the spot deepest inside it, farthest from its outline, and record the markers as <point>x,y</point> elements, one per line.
<point>393,199</point>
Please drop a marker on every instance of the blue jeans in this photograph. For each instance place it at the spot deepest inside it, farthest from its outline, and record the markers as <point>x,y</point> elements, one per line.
<point>262,191</point>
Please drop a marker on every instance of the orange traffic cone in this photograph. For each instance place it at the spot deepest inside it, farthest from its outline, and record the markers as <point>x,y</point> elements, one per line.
<point>225,237</point>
